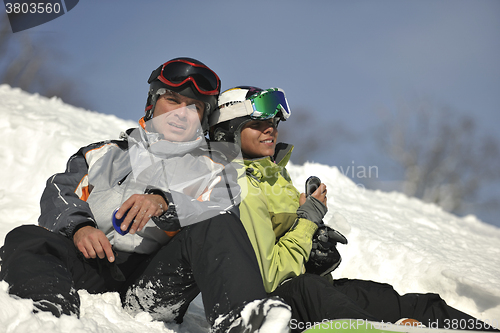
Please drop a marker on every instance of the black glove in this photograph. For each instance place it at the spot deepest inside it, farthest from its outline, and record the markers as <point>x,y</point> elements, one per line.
<point>168,221</point>
<point>324,257</point>
<point>312,210</point>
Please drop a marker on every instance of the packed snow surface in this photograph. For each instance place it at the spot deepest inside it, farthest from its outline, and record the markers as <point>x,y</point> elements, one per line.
<point>414,246</point>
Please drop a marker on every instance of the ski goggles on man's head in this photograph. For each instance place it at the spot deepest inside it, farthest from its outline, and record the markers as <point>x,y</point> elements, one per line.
<point>178,72</point>
<point>268,103</point>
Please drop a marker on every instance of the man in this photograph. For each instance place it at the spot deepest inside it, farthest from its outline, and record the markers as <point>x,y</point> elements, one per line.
<point>163,180</point>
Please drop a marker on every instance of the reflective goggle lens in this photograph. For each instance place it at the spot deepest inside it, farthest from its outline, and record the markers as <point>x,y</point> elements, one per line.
<point>178,72</point>
<point>268,103</point>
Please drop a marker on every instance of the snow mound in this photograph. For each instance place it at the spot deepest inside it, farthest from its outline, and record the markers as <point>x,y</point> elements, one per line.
<point>414,246</point>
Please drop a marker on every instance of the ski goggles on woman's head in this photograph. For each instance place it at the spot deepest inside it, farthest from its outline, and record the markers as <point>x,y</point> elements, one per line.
<point>264,105</point>
<point>176,73</point>
<point>268,103</point>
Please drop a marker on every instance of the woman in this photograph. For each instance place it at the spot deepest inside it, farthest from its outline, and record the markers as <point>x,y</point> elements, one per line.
<point>282,223</point>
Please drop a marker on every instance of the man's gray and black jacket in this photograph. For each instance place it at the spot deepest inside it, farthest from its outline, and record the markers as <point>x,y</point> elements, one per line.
<point>197,180</point>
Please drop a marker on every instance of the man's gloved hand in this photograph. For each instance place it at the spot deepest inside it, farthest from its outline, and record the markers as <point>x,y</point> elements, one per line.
<point>168,221</point>
<point>312,210</point>
<point>324,257</point>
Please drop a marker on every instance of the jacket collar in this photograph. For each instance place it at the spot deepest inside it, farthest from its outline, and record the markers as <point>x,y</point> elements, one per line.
<point>155,144</point>
<point>283,153</point>
<point>265,167</point>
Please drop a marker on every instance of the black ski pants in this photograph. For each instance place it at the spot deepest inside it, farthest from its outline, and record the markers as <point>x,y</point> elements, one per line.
<point>314,299</point>
<point>213,256</point>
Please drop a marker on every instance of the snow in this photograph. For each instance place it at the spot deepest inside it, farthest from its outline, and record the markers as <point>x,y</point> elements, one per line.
<point>414,246</point>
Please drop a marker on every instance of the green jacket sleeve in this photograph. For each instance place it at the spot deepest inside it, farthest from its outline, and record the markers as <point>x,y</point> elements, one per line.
<point>282,257</point>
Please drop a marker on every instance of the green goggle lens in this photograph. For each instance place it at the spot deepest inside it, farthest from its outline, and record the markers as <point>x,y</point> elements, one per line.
<point>269,103</point>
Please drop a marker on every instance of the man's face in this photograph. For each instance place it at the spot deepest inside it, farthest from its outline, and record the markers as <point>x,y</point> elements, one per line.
<point>258,138</point>
<point>177,117</point>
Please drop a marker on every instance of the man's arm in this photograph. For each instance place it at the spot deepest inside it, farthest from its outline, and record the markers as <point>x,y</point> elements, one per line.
<point>64,208</point>
<point>63,204</point>
<point>220,194</point>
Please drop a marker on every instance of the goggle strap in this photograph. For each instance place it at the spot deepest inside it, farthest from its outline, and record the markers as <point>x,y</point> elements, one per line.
<point>229,112</point>
<point>154,74</point>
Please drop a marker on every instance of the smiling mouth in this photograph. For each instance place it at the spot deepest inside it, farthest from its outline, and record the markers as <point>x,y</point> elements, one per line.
<point>267,141</point>
<point>177,126</point>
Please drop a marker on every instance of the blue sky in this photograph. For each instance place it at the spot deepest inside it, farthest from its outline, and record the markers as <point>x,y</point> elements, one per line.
<point>338,59</point>
<point>339,62</point>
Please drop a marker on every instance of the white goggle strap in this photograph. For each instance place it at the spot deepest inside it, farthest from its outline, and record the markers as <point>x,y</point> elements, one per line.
<point>225,113</point>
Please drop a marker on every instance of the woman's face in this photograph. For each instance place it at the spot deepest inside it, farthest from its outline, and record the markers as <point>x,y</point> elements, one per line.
<point>177,117</point>
<point>258,138</point>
